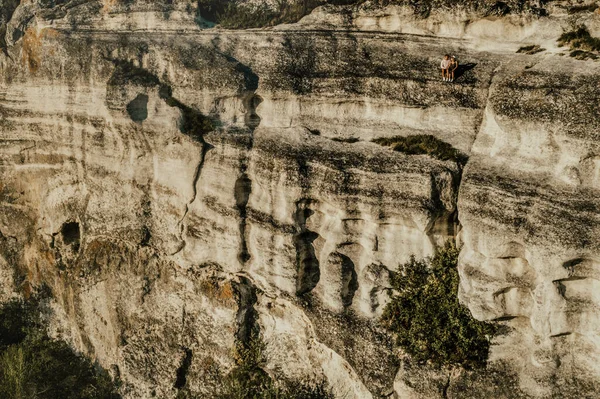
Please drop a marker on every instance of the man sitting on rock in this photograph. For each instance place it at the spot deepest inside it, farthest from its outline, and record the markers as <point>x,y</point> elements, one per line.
<point>445,65</point>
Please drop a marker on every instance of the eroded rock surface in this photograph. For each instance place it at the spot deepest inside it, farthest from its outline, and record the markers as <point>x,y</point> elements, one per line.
<point>177,187</point>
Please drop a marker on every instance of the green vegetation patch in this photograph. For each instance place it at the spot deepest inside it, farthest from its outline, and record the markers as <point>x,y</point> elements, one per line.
<point>423,145</point>
<point>32,365</point>
<point>236,15</point>
<point>248,380</point>
<point>583,55</point>
<point>427,319</point>
<point>348,140</point>
<point>530,50</point>
<point>581,43</point>
<point>582,8</point>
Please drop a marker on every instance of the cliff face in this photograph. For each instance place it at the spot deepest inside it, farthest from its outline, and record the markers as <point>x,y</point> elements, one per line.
<point>176,187</point>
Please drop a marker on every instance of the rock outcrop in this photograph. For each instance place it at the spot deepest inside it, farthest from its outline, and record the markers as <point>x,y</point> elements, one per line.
<point>176,187</point>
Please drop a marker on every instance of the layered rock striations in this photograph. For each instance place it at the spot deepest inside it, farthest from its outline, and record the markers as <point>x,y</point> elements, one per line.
<point>178,187</point>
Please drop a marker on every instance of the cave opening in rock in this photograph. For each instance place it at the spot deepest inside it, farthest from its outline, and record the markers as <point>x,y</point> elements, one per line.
<point>138,108</point>
<point>71,234</point>
<point>307,263</point>
<point>349,281</point>
<point>309,272</point>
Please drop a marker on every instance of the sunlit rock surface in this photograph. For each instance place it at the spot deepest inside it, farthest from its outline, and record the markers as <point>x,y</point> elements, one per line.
<point>175,187</point>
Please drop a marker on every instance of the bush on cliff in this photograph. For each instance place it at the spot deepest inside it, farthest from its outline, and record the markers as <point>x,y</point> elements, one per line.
<point>427,319</point>
<point>239,15</point>
<point>582,44</point>
<point>423,145</point>
<point>32,365</point>
<point>248,380</point>
<point>236,15</point>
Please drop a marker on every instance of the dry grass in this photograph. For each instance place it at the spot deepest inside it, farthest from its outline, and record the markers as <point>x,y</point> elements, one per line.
<point>218,291</point>
<point>95,246</point>
<point>108,6</point>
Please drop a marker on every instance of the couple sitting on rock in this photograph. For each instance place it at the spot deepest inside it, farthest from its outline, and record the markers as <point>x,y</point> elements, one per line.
<point>449,65</point>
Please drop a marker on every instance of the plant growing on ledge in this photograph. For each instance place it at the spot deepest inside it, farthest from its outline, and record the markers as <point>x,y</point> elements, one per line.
<point>238,15</point>
<point>424,145</point>
<point>582,44</point>
<point>248,380</point>
<point>427,319</point>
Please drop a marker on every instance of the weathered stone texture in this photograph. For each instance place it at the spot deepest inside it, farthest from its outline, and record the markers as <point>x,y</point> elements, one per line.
<point>176,187</point>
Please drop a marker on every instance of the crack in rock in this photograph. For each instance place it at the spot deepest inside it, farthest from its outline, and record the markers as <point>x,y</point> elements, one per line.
<point>247,316</point>
<point>242,190</point>
<point>307,263</point>
<point>183,369</point>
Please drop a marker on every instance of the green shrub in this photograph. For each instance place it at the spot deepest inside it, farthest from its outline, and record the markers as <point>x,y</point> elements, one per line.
<point>236,15</point>
<point>427,319</point>
<point>530,50</point>
<point>581,43</point>
<point>423,145</point>
<point>582,8</point>
<point>32,365</point>
<point>248,380</point>
<point>18,319</point>
<point>583,55</point>
<point>348,140</point>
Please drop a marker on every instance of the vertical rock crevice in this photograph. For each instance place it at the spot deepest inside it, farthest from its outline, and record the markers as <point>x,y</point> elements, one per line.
<point>250,101</point>
<point>251,118</point>
<point>242,191</point>
<point>243,185</point>
<point>349,281</point>
<point>445,188</point>
<point>182,371</point>
<point>307,263</point>
<point>205,149</point>
<point>246,317</point>
<point>445,387</point>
